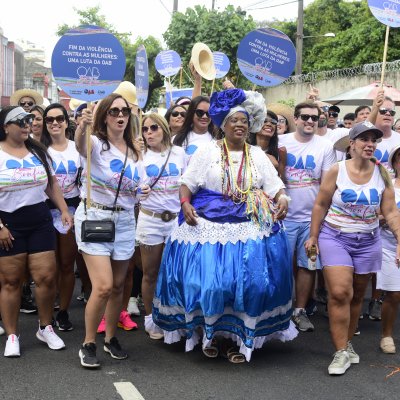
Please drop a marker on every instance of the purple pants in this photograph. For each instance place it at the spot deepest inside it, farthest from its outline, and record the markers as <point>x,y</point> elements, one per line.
<point>362,251</point>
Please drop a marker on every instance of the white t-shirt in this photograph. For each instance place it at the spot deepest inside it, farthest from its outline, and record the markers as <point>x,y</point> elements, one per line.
<point>193,142</point>
<point>384,148</point>
<point>106,167</point>
<point>304,166</point>
<point>333,135</point>
<point>22,181</point>
<point>66,164</point>
<point>164,195</point>
<point>388,239</point>
<point>356,206</point>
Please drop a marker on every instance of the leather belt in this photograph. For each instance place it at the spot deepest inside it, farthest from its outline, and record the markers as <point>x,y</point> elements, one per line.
<point>106,208</point>
<point>165,216</point>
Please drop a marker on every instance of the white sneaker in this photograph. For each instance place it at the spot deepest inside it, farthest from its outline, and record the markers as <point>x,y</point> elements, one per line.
<point>2,331</point>
<point>340,363</point>
<point>154,331</point>
<point>12,346</point>
<point>47,335</point>
<point>133,308</point>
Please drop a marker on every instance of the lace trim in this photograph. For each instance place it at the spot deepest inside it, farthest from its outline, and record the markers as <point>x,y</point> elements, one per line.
<point>212,232</point>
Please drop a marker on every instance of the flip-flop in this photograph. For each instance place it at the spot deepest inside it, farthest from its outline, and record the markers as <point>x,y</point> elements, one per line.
<point>212,350</point>
<point>234,356</point>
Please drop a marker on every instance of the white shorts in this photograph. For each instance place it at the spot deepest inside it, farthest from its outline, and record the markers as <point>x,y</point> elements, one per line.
<point>388,278</point>
<point>123,246</point>
<point>151,230</point>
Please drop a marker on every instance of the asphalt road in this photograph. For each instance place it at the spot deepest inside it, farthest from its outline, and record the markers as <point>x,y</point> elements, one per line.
<point>293,371</point>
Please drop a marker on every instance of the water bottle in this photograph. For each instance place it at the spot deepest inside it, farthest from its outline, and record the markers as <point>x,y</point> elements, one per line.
<point>312,258</point>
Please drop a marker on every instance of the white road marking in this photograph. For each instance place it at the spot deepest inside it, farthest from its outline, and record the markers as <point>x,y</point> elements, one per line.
<point>128,391</point>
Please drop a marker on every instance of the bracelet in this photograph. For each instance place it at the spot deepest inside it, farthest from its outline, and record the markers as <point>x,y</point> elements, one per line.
<point>184,200</point>
<point>286,197</point>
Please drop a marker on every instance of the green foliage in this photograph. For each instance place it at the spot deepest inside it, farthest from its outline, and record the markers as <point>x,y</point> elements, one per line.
<point>91,16</point>
<point>221,31</point>
<point>289,102</point>
<point>359,35</point>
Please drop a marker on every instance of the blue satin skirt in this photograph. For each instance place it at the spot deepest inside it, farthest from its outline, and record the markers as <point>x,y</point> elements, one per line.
<point>242,290</point>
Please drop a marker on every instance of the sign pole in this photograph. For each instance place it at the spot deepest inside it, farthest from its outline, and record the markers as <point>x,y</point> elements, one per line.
<point>385,54</point>
<point>180,79</point>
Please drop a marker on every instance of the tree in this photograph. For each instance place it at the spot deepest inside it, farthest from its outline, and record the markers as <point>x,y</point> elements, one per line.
<point>359,35</point>
<point>221,31</point>
<point>92,16</point>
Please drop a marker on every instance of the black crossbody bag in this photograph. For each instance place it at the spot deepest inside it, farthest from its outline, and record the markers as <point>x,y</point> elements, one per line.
<point>102,230</point>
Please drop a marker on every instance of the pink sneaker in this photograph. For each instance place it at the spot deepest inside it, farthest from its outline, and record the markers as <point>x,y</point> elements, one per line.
<point>125,321</point>
<point>102,326</point>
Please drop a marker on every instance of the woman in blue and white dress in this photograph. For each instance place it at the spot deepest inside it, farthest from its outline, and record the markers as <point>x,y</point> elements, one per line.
<point>226,268</point>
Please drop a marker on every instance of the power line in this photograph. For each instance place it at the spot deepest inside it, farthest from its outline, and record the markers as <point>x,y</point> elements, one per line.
<point>276,5</point>
<point>254,4</point>
<point>169,12</point>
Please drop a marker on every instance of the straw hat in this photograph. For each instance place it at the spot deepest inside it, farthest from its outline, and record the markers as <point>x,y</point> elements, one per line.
<point>19,94</point>
<point>391,155</point>
<point>74,103</point>
<point>203,61</point>
<point>342,143</point>
<point>285,111</point>
<point>128,91</point>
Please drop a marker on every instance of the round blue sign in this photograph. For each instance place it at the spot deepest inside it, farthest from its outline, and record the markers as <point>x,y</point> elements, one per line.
<point>266,57</point>
<point>142,76</point>
<point>168,62</point>
<point>222,64</point>
<point>386,11</point>
<point>88,63</point>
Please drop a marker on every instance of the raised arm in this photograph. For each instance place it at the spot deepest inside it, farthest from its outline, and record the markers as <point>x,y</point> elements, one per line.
<point>81,130</point>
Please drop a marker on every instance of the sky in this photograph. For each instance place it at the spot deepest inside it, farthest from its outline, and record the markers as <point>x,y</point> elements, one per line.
<point>38,21</point>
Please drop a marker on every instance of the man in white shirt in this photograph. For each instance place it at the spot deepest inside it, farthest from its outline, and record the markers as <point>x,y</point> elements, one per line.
<point>309,156</point>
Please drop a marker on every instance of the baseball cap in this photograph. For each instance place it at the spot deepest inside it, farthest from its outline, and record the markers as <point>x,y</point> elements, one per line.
<point>362,127</point>
<point>334,109</point>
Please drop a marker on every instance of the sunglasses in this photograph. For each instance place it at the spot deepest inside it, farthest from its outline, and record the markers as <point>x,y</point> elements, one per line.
<point>383,111</point>
<point>115,111</point>
<point>201,113</point>
<point>281,121</point>
<point>306,117</point>
<point>26,103</point>
<point>59,119</point>
<point>181,113</point>
<point>333,114</point>
<point>271,121</point>
<point>22,122</point>
<point>153,128</point>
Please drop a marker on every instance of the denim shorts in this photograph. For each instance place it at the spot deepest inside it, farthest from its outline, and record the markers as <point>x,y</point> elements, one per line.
<point>151,230</point>
<point>297,234</point>
<point>362,251</point>
<point>123,246</point>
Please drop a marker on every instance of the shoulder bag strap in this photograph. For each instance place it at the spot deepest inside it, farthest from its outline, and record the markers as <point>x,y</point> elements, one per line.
<point>162,169</point>
<point>120,177</point>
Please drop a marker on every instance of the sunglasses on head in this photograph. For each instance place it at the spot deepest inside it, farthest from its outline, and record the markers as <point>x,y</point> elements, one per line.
<point>153,128</point>
<point>271,121</point>
<point>115,111</point>
<point>306,117</point>
<point>333,114</point>
<point>181,113</point>
<point>22,122</point>
<point>383,111</point>
<point>59,119</point>
<point>26,103</point>
<point>201,113</point>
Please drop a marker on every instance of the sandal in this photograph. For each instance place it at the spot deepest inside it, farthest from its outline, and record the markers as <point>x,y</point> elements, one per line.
<point>212,350</point>
<point>234,356</point>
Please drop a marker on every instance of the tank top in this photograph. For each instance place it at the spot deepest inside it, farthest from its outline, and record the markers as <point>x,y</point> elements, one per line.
<point>355,206</point>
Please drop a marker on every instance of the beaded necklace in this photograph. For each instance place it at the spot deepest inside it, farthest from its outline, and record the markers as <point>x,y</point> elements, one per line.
<point>231,187</point>
<point>259,206</point>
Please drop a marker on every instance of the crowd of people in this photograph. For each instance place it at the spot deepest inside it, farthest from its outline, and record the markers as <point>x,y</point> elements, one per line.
<point>229,216</point>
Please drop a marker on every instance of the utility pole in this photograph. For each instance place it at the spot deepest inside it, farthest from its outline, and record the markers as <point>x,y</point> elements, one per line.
<point>213,5</point>
<point>299,38</point>
<point>175,6</point>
